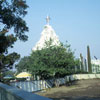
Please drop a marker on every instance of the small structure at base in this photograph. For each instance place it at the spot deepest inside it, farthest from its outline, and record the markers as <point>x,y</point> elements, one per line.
<point>24,75</point>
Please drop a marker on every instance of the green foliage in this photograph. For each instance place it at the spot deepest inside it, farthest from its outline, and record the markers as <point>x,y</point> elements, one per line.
<point>11,18</point>
<point>53,61</point>
<point>77,62</point>
<point>23,65</point>
<point>8,60</point>
<point>6,41</point>
<point>89,60</point>
<point>11,73</point>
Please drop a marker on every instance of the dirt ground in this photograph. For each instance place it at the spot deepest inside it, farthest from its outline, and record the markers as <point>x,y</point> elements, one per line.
<point>79,90</point>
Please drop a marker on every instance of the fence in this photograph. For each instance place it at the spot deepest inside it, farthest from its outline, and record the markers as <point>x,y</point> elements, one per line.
<point>33,86</point>
<point>12,93</point>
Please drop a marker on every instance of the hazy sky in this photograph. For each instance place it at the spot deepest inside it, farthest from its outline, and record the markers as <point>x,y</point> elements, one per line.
<point>75,21</point>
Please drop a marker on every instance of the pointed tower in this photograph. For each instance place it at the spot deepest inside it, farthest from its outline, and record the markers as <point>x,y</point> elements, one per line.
<point>47,35</point>
<point>89,60</point>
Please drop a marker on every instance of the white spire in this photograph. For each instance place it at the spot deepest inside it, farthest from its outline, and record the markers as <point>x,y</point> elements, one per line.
<point>47,34</point>
<point>47,20</point>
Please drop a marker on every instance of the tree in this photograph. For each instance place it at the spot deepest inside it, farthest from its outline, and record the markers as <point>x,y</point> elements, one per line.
<point>53,61</point>
<point>89,60</point>
<point>23,65</point>
<point>77,65</point>
<point>11,18</point>
<point>8,60</point>
<point>9,73</point>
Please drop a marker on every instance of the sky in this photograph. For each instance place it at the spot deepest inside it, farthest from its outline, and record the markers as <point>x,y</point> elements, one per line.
<point>75,21</point>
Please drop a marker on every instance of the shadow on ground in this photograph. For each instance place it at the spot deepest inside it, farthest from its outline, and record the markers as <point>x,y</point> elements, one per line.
<point>77,98</point>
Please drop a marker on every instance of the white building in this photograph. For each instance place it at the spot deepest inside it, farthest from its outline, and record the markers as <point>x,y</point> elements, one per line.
<point>95,66</point>
<point>96,62</point>
<point>48,35</point>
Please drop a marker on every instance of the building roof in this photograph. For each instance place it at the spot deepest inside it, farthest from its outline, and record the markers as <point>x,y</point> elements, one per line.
<point>23,75</point>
